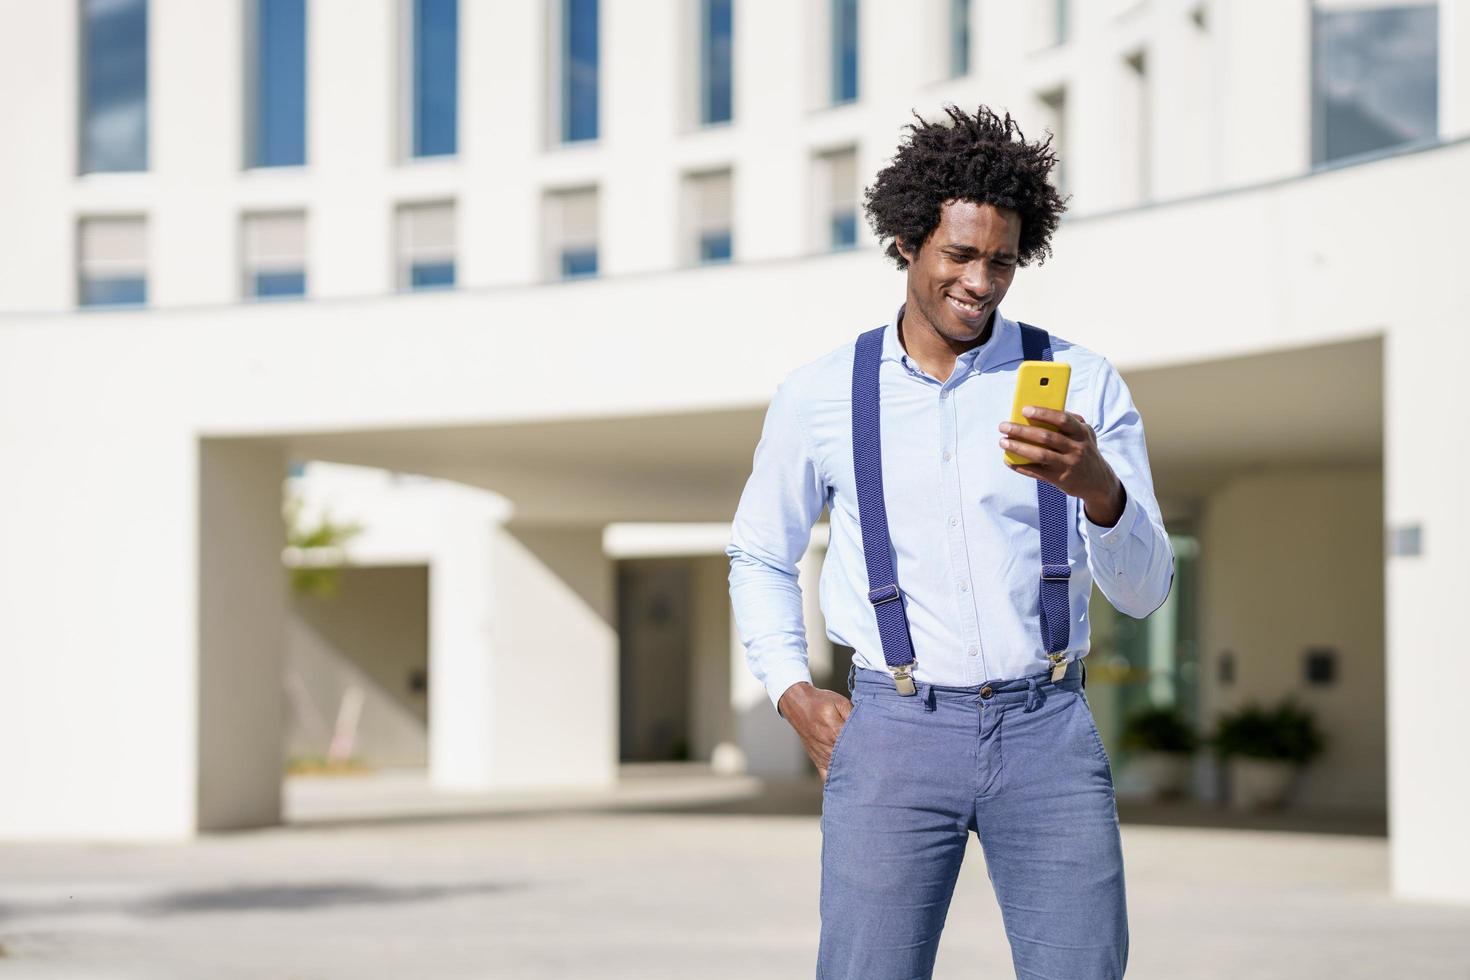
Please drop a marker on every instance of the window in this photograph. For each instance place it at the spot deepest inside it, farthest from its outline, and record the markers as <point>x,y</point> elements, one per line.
<point>837,192</point>
<point>710,236</point>
<point>1054,119</point>
<point>1375,78</point>
<point>277,59</point>
<point>112,265</point>
<point>577,57</point>
<point>274,255</point>
<point>844,53</point>
<point>435,56</point>
<point>959,38</point>
<point>571,234</point>
<point>716,61</point>
<point>114,85</point>
<point>426,246</point>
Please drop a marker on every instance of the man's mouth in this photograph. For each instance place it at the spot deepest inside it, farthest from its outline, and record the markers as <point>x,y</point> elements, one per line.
<point>965,309</point>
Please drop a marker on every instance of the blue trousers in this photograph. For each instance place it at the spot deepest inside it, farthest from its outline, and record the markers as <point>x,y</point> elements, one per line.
<point>1019,762</point>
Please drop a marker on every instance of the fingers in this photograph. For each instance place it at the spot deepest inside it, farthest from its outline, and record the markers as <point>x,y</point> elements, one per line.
<point>1069,422</point>
<point>1036,454</point>
<point>1025,469</point>
<point>1037,435</point>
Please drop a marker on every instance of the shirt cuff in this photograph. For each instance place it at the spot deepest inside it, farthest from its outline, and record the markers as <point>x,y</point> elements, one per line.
<point>784,676</point>
<point>1112,538</point>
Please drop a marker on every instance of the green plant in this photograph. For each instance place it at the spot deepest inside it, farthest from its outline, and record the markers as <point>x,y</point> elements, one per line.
<point>1158,730</point>
<point>1286,732</point>
<point>307,579</point>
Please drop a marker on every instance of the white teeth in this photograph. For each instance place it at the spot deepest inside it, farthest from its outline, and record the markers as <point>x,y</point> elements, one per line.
<point>964,306</point>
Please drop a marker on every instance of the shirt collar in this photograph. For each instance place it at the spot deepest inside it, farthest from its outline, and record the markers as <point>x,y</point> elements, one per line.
<point>1003,347</point>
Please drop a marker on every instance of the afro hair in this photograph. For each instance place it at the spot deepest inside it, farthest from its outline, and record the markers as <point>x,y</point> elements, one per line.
<point>982,158</point>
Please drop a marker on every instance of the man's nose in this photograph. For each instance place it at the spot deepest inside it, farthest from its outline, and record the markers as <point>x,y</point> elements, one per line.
<point>976,280</point>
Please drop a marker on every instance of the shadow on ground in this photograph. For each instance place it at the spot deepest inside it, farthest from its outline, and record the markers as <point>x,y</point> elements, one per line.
<point>275,897</point>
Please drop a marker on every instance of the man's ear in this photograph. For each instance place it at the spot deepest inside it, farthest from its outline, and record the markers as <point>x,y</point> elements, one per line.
<point>903,249</point>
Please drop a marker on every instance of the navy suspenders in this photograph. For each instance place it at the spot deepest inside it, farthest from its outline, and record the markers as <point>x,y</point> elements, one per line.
<point>867,466</point>
<point>883,590</point>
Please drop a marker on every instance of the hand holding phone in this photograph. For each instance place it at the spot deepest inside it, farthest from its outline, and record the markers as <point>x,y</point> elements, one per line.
<point>1041,383</point>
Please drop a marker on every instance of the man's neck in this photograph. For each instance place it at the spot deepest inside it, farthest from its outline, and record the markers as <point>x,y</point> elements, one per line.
<point>935,352</point>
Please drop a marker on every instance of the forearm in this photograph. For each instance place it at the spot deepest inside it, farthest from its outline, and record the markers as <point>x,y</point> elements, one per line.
<point>767,606</point>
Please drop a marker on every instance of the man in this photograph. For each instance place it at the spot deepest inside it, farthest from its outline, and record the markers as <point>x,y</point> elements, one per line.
<point>967,709</point>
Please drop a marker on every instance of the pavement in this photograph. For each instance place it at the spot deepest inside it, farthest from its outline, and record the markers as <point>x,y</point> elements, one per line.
<point>660,881</point>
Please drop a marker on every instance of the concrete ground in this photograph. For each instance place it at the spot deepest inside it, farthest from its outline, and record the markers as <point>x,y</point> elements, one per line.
<point>657,881</point>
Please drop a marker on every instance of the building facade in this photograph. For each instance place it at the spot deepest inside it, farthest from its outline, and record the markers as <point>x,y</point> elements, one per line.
<point>558,254</point>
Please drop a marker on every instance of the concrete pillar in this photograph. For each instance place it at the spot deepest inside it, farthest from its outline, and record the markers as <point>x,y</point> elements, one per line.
<point>99,633</point>
<point>523,674</point>
<point>712,727</point>
<point>242,615</point>
<point>1427,581</point>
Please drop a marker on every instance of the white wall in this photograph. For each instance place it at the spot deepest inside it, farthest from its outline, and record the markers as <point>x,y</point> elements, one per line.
<point>1428,672</point>
<point>711,716</point>
<point>1290,560</point>
<point>370,635</point>
<point>237,726</point>
<point>554,659</point>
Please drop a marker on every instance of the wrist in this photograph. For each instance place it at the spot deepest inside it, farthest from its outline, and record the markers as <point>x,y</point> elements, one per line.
<point>793,695</point>
<point>1105,510</point>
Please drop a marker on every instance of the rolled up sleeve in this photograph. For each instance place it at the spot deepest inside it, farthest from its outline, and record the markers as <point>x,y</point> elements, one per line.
<point>772,527</point>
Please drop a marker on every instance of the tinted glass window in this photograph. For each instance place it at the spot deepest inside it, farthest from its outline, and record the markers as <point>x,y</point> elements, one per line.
<point>114,85</point>
<point>435,77</point>
<point>579,69</point>
<point>959,38</point>
<point>112,262</point>
<point>280,84</point>
<point>1375,79</point>
<point>844,50</point>
<point>717,31</point>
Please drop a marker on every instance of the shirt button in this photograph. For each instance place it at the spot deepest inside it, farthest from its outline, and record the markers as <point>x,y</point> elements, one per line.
<point>946,455</point>
<point>972,651</point>
<point>953,521</point>
<point>944,393</point>
<point>964,586</point>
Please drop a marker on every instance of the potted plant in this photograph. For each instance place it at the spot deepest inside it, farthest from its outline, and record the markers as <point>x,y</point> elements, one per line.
<point>1264,749</point>
<point>1161,746</point>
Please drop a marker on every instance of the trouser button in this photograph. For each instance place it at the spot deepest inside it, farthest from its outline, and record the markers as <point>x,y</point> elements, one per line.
<point>986,692</point>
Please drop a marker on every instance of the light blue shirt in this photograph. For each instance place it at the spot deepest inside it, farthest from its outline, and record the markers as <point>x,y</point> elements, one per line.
<point>964,526</point>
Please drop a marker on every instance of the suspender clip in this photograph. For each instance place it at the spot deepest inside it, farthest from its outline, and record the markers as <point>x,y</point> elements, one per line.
<point>903,681</point>
<point>1059,666</point>
<point>1061,572</point>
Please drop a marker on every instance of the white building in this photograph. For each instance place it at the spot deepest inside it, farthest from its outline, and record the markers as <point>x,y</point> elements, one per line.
<point>1265,236</point>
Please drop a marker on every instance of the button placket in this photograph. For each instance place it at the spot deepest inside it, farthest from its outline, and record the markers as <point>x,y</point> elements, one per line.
<point>952,494</point>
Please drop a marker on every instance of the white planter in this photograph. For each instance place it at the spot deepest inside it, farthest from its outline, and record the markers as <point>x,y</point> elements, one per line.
<point>1160,775</point>
<point>1259,784</point>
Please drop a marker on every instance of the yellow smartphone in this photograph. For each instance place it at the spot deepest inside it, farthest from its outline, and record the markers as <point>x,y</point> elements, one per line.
<point>1041,383</point>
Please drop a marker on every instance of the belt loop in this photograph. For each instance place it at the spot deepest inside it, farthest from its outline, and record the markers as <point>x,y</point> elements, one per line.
<point>929,698</point>
<point>1033,696</point>
<point>852,678</point>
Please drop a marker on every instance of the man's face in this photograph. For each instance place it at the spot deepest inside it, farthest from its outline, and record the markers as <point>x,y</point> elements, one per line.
<point>959,276</point>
